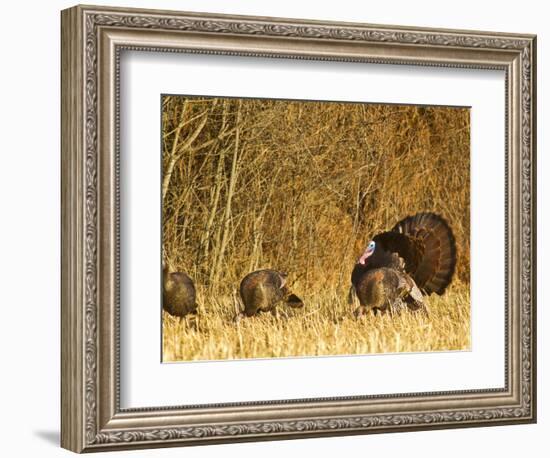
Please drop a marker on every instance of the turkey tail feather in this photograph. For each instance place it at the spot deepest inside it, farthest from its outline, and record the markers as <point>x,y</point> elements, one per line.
<point>436,244</point>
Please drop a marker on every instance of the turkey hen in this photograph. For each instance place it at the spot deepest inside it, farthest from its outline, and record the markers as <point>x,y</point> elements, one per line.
<point>262,290</point>
<point>178,293</point>
<point>415,258</point>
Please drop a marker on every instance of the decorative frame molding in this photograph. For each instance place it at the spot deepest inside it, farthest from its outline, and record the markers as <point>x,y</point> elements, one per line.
<point>92,39</point>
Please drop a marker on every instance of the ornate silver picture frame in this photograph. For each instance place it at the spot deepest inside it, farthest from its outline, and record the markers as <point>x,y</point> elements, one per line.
<point>93,39</point>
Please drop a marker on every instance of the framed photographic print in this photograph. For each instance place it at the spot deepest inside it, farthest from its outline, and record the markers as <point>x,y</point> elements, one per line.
<point>277,228</point>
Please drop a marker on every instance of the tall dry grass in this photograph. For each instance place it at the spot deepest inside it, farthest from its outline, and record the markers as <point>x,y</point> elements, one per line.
<point>301,187</point>
<point>324,327</point>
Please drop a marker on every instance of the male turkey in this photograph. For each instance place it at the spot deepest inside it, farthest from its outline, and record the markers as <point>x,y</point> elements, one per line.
<point>262,290</point>
<point>417,257</point>
<point>178,293</point>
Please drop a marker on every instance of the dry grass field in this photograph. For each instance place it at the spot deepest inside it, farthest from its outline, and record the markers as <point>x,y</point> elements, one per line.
<point>302,187</point>
<point>325,326</point>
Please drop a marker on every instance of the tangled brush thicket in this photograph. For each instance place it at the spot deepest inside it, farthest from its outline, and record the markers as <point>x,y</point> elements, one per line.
<point>302,186</point>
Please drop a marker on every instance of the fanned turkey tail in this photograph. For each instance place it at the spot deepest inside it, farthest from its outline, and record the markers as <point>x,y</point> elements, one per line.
<point>434,239</point>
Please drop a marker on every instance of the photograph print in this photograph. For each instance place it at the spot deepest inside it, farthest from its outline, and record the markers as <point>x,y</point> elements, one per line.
<point>298,228</point>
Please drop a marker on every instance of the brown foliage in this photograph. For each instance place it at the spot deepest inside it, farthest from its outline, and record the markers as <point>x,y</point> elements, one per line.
<point>303,186</point>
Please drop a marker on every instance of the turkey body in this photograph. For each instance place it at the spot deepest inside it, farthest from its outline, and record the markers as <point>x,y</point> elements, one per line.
<point>262,290</point>
<point>179,295</point>
<point>415,258</point>
<point>383,289</point>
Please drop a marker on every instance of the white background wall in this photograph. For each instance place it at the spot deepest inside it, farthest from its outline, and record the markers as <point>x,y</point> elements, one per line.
<point>29,230</point>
